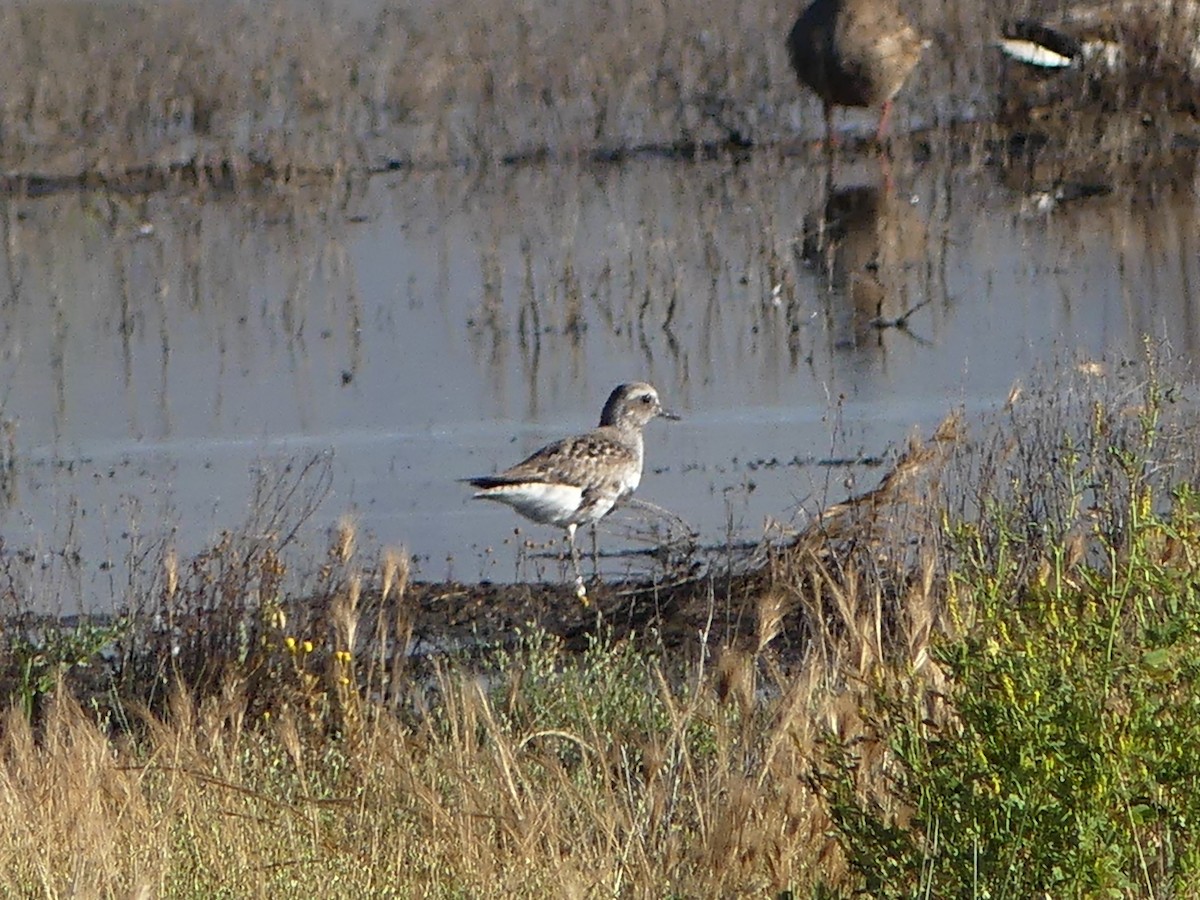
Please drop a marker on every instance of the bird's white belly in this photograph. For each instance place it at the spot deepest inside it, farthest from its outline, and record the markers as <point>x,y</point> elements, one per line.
<point>548,504</point>
<point>630,482</point>
<point>633,477</point>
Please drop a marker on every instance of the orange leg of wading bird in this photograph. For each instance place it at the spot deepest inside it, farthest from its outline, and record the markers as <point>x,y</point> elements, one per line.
<point>885,166</point>
<point>831,140</point>
<point>883,121</point>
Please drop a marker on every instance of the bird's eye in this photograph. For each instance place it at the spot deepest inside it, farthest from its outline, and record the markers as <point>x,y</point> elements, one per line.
<point>646,398</point>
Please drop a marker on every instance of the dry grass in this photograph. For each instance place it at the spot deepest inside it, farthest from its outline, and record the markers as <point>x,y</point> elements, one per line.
<point>227,90</point>
<point>681,789</point>
<point>490,792</point>
<point>229,87</point>
<point>232,88</point>
<point>232,91</point>
<point>115,87</point>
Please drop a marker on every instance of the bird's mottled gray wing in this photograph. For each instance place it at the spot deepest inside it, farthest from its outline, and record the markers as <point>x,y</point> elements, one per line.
<point>579,461</point>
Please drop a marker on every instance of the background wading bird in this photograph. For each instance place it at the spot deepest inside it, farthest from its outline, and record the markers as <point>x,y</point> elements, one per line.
<point>854,53</point>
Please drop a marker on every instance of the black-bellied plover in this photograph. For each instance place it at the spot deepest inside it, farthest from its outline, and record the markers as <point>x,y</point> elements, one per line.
<point>854,53</point>
<point>578,480</point>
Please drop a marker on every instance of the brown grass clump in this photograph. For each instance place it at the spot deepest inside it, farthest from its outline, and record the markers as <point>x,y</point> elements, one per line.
<point>114,88</point>
<point>476,799</point>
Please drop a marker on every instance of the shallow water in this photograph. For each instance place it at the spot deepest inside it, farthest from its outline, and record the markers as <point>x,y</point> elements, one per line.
<point>418,328</point>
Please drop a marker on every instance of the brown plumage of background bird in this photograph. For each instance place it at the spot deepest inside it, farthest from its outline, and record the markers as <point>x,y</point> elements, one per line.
<point>854,53</point>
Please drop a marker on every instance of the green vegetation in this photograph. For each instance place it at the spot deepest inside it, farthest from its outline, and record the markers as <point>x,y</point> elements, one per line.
<point>42,660</point>
<point>980,681</point>
<point>1057,756</point>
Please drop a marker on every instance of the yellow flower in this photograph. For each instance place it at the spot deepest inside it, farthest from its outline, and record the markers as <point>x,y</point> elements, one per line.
<point>1009,692</point>
<point>290,643</point>
<point>307,646</point>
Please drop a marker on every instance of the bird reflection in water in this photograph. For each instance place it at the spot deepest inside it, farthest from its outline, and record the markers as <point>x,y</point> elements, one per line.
<point>865,243</point>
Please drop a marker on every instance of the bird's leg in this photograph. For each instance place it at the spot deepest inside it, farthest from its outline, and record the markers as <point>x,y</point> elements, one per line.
<point>580,590</point>
<point>883,121</point>
<point>830,137</point>
<point>885,150</point>
<point>595,552</point>
<point>885,166</point>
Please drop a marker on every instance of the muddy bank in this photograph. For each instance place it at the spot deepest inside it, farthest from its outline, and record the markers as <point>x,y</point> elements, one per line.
<point>225,609</point>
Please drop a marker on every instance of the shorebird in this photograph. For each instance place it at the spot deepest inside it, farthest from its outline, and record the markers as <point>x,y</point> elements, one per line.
<point>854,53</point>
<point>1054,47</point>
<point>578,480</point>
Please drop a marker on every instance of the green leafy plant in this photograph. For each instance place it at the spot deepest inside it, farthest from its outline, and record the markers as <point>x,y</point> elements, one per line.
<point>1055,752</point>
<point>41,660</point>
